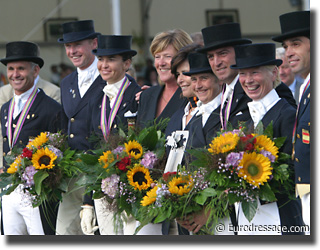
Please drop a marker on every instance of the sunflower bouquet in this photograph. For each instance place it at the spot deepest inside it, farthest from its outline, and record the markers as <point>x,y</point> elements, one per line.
<point>40,170</point>
<point>123,169</point>
<point>247,167</point>
<point>178,194</point>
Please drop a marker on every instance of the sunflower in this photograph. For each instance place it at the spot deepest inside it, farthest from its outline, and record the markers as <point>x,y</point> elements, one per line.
<point>180,186</point>
<point>14,166</point>
<point>139,177</point>
<point>150,197</point>
<point>256,168</point>
<point>38,141</point>
<point>224,143</point>
<point>263,142</point>
<point>134,149</point>
<point>106,158</point>
<point>43,158</point>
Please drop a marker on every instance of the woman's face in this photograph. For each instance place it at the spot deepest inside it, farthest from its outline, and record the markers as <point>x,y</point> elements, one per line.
<point>184,81</point>
<point>206,86</point>
<point>112,68</point>
<point>162,63</point>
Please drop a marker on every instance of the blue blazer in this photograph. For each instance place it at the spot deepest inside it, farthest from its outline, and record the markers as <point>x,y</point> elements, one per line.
<point>43,116</point>
<point>147,108</point>
<point>128,104</point>
<point>75,109</point>
<point>302,143</point>
<point>283,115</point>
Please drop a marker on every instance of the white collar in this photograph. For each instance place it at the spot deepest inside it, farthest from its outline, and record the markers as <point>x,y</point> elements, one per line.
<point>232,84</point>
<point>91,69</point>
<point>210,106</point>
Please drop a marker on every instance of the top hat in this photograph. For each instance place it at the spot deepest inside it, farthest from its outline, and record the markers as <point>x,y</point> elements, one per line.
<point>198,64</point>
<point>22,51</point>
<point>255,55</point>
<point>222,35</point>
<point>294,24</point>
<point>109,45</point>
<point>77,31</point>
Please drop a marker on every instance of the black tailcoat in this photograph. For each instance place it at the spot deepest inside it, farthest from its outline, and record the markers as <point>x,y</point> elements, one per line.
<point>43,116</point>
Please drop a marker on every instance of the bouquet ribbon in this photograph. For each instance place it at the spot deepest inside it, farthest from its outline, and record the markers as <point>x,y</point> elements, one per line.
<point>106,125</point>
<point>12,138</point>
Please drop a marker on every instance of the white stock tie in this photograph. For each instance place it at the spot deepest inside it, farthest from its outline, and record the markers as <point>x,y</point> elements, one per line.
<point>257,111</point>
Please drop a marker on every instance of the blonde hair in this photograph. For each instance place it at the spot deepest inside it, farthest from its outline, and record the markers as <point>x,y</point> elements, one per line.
<point>178,38</point>
<point>277,80</point>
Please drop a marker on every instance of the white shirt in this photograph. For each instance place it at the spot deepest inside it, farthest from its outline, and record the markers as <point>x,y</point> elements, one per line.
<point>20,100</point>
<point>186,113</point>
<point>206,109</point>
<point>111,90</point>
<point>259,108</point>
<point>229,89</point>
<point>87,76</point>
<point>303,86</point>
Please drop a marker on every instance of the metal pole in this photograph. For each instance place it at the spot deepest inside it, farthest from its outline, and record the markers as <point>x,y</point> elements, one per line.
<point>116,17</point>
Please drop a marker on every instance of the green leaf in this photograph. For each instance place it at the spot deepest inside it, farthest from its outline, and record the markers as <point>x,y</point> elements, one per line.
<point>269,130</point>
<point>259,128</point>
<point>249,209</point>
<point>204,194</point>
<point>38,179</point>
<point>279,141</point>
<point>266,194</point>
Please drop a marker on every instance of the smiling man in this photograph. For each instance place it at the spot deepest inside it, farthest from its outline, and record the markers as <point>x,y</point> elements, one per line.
<point>295,39</point>
<point>79,39</point>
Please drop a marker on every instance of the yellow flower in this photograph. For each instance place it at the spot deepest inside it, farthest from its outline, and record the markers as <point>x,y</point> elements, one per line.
<point>224,143</point>
<point>150,197</point>
<point>38,141</point>
<point>265,143</point>
<point>43,158</point>
<point>256,168</point>
<point>180,185</point>
<point>106,158</point>
<point>134,149</point>
<point>14,166</point>
<point>139,177</point>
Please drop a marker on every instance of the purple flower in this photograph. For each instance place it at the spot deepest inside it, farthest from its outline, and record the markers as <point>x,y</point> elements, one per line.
<point>233,158</point>
<point>268,154</point>
<point>27,176</point>
<point>56,151</point>
<point>118,150</point>
<point>149,159</point>
<point>109,185</point>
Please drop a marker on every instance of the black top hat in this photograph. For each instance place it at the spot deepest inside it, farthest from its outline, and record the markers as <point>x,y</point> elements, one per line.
<point>294,24</point>
<point>109,45</point>
<point>222,35</point>
<point>255,55</point>
<point>22,51</point>
<point>77,31</point>
<point>198,64</point>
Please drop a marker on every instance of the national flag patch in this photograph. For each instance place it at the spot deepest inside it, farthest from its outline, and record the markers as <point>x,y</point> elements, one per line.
<point>305,136</point>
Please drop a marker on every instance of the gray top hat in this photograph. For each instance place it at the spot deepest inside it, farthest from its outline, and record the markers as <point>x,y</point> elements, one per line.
<point>22,51</point>
<point>77,31</point>
<point>114,45</point>
<point>255,55</point>
<point>294,24</point>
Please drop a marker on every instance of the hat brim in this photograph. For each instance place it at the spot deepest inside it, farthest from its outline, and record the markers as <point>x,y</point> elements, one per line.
<point>224,43</point>
<point>76,39</point>
<point>110,52</point>
<point>276,62</point>
<point>295,33</point>
<point>36,60</point>
<point>198,71</point>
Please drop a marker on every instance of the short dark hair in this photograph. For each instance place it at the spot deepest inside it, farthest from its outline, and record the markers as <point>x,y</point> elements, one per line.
<point>182,55</point>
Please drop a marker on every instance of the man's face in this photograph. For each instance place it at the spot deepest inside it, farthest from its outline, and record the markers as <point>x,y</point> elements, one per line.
<point>21,75</point>
<point>298,54</point>
<point>80,52</point>
<point>220,61</point>
<point>285,71</point>
<point>257,82</point>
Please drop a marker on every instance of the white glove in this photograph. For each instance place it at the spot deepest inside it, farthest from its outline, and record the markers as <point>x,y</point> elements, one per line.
<point>88,220</point>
